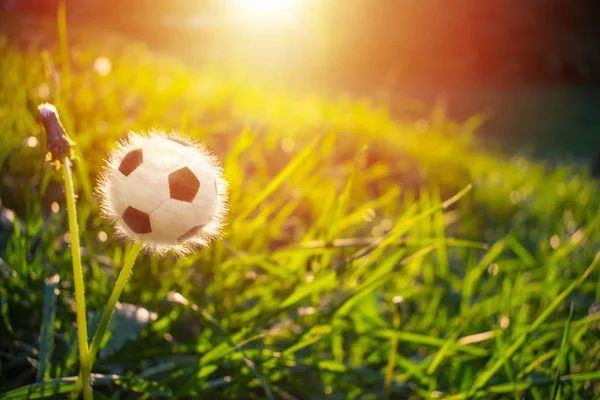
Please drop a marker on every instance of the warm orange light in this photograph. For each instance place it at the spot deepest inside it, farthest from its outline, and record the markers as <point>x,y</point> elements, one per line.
<point>266,12</point>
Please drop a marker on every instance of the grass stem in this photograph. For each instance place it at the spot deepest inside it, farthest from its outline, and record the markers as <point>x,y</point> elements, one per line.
<point>84,358</point>
<point>128,264</point>
<point>64,46</point>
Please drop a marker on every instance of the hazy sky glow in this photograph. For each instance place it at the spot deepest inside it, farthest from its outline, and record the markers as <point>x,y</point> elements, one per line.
<point>266,12</point>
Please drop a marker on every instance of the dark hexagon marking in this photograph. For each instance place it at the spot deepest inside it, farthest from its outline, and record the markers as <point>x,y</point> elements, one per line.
<point>138,221</point>
<point>131,161</point>
<point>189,234</point>
<point>183,185</point>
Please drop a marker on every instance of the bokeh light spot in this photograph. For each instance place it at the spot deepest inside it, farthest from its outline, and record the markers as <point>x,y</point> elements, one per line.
<point>31,141</point>
<point>102,66</point>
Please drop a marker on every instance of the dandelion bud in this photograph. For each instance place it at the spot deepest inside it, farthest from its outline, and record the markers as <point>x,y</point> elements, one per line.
<point>57,141</point>
<point>163,190</point>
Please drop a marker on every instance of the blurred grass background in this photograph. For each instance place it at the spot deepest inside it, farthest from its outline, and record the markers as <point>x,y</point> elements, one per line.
<point>344,271</point>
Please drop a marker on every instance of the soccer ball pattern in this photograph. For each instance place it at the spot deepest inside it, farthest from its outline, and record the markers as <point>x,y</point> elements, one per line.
<point>163,191</point>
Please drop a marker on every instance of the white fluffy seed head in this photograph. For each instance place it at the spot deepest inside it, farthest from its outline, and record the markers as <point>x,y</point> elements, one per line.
<point>164,190</point>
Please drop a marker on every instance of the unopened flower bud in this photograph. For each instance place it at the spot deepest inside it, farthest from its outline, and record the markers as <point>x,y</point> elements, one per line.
<point>57,141</point>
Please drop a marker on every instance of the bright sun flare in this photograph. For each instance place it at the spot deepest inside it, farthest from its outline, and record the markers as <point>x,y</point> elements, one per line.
<point>266,11</point>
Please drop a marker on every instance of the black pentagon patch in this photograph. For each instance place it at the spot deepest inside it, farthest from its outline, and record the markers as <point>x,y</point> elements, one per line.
<point>138,221</point>
<point>189,234</point>
<point>131,161</point>
<point>183,185</point>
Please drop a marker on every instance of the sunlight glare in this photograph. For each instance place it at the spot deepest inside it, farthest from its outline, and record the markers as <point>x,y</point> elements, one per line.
<point>266,12</point>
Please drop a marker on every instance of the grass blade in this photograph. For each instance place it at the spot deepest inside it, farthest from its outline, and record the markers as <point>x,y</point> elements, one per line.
<point>563,362</point>
<point>279,180</point>
<point>47,331</point>
<point>475,273</point>
<point>65,385</point>
<point>483,379</point>
<point>308,289</point>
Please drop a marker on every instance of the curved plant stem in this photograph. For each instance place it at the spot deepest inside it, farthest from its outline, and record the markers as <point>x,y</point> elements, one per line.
<point>84,358</point>
<point>114,297</point>
<point>128,264</point>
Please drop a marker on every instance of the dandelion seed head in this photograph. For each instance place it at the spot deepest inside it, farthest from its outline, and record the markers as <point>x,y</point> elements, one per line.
<point>165,191</point>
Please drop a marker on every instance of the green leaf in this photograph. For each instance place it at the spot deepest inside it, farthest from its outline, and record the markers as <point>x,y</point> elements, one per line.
<point>65,385</point>
<point>476,272</point>
<point>333,366</point>
<point>563,361</point>
<point>126,324</point>
<point>148,388</point>
<point>42,389</point>
<point>4,311</point>
<point>47,333</point>
<point>329,280</point>
<point>283,175</point>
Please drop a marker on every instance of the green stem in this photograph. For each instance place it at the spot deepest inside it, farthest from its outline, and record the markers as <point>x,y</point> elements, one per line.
<point>110,307</point>
<point>64,46</point>
<point>114,297</point>
<point>84,358</point>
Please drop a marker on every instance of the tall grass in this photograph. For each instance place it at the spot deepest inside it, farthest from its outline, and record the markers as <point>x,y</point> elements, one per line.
<point>350,267</point>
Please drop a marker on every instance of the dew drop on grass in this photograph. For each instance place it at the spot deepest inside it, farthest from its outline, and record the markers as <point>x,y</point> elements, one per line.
<point>386,224</point>
<point>493,269</point>
<point>369,215</point>
<point>377,231</point>
<point>578,236</point>
<point>306,310</point>
<point>554,241</point>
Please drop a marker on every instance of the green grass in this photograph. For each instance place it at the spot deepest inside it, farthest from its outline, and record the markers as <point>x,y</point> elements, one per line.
<point>336,210</point>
